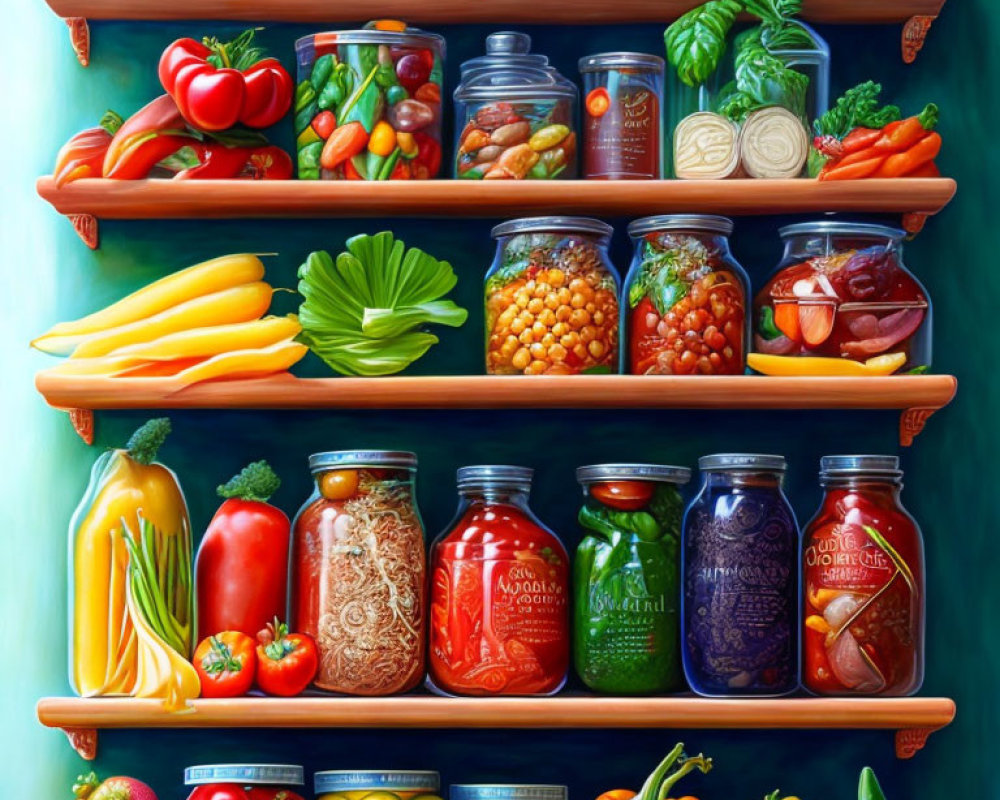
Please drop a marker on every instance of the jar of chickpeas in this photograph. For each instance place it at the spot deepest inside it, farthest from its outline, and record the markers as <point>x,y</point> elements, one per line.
<point>552,298</point>
<point>685,298</point>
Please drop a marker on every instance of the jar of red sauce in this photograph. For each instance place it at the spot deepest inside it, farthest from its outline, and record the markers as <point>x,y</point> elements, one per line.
<point>499,592</point>
<point>357,579</point>
<point>244,781</point>
<point>863,576</point>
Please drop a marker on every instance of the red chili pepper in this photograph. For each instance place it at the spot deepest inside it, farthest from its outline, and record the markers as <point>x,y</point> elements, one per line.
<point>218,84</point>
<point>147,137</point>
<point>83,155</point>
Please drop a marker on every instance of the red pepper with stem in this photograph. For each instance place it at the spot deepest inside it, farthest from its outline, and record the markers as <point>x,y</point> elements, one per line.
<point>286,662</point>
<point>83,155</point>
<point>241,571</point>
<point>154,132</point>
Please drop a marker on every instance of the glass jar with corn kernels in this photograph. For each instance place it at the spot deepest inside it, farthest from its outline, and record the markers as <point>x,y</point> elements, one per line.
<point>552,298</point>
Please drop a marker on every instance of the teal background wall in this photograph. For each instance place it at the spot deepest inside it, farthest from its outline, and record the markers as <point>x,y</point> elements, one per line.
<point>48,275</point>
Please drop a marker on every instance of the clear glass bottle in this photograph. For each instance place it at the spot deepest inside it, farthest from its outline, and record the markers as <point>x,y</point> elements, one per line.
<point>863,580</point>
<point>842,290</point>
<point>685,297</point>
<point>357,574</point>
<point>499,605</point>
<point>515,115</point>
<point>740,564</point>
<point>551,298</point>
<point>627,577</point>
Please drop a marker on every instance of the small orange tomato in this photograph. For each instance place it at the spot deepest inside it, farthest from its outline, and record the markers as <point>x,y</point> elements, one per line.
<point>617,794</point>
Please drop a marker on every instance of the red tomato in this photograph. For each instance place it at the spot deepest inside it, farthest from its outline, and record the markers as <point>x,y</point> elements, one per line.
<point>226,664</point>
<point>287,662</point>
<point>218,791</point>
<point>598,102</point>
<point>262,793</point>
<point>623,495</point>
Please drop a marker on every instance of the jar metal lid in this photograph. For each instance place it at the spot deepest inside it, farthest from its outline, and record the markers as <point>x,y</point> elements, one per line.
<point>827,227</point>
<point>494,475</point>
<point>490,791</point>
<point>348,780</point>
<point>860,465</point>
<point>681,222</point>
<point>552,225</point>
<point>724,462</point>
<point>245,774</point>
<point>621,60</point>
<point>335,459</point>
<point>412,37</point>
<point>594,473</point>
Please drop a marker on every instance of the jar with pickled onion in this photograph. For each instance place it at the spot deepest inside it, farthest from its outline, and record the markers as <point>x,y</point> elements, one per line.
<point>365,784</point>
<point>499,611</point>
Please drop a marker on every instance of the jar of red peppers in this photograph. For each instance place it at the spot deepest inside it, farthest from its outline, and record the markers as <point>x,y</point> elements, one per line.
<point>863,576</point>
<point>358,573</point>
<point>499,592</point>
<point>685,298</point>
<point>551,298</point>
<point>244,781</point>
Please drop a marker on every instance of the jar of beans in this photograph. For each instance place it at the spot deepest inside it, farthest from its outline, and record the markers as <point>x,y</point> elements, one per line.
<point>552,298</point>
<point>685,298</point>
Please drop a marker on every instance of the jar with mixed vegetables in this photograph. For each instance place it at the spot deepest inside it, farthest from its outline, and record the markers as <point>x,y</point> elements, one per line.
<point>358,573</point>
<point>244,781</point>
<point>551,298</point>
<point>685,298</point>
<point>627,578</point>
<point>368,103</point>
<point>842,294</point>
<point>344,784</point>
<point>515,115</point>
<point>499,611</point>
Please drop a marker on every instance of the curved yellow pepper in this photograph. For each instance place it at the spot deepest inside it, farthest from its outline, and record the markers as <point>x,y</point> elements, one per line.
<point>816,366</point>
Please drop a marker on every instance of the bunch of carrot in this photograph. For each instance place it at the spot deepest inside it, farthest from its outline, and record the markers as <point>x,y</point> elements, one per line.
<point>904,148</point>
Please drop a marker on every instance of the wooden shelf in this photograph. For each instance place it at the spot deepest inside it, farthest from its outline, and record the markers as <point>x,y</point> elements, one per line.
<point>86,201</point>
<point>917,396</point>
<point>913,719</point>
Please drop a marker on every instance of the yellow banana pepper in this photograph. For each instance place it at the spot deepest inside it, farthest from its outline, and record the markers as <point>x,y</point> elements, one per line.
<point>124,482</point>
<point>816,366</point>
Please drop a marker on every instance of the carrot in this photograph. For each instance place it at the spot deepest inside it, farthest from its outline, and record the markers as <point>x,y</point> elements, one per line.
<point>860,139</point>
<point>863,169</point>
<point>854,158</point>
<point>344,143</point>
<point>928,170</point>
<point>897,137</point>
<point>923,152</point>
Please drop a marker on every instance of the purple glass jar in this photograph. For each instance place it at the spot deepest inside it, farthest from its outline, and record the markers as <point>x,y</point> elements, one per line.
<point>739,610</point>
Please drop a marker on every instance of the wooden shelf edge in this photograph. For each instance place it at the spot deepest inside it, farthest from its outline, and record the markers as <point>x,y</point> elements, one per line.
<point>100,198</point>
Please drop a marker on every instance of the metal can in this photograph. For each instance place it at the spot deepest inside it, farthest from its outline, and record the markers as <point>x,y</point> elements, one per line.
<point>269,781</point>
<point>350,784</point>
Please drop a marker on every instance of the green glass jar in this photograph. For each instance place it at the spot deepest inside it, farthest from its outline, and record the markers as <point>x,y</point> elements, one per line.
<point>627,578</point>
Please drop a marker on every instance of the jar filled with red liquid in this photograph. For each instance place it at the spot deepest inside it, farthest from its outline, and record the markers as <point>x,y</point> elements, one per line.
<point>499,612</point>
<point>863,576</point>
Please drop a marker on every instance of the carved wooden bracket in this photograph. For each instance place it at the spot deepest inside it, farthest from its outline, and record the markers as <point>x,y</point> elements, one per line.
<point>85,226</point>
<point>79,36</point>
<point>910,740</point>
<point>911,423</point>
<point>914,221</point>
<point>83,423</point>
<point>84,741</point>
<point>914,33</point>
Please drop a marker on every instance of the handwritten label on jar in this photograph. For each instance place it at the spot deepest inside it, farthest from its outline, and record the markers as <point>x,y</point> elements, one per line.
<point>846,558</point>
<point>624,142</point>
<point>526,606</point>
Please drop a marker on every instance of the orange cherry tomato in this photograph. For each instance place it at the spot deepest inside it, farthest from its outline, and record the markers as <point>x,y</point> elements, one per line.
<point>623,495</point>
<point>598,102</point>
<point>226,664</point>
<point>617,794</point>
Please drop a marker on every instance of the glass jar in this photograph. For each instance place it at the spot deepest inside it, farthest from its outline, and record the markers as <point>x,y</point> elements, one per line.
<point>500,791</point>
<point>385,82</point>
<point>259,781</point>
<point>685,297</point>
<point>551,298</point>
<point>842,290</point>
<point>622,128</point>
<point>515,115</point>
<point>863,575</point>
<point>740,562</point>
<point>345,784</point>
<point>358,576</point>
<point>499,592</point>
<point>626,578</point>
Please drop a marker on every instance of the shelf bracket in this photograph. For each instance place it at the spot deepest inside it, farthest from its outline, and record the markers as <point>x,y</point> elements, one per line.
<point>82,420</point>
<point>911,423</point>
<point>914,33</point>
<point>79,36</point>
<point>910,740</point>
<point>84,741</point>
<point>85,226</point>
<point>914,221</point>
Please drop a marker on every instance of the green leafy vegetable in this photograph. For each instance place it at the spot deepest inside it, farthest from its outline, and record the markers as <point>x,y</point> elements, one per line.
<point>256,481</point>
<point>146,441</point>
<point>362,311</point>
<point>857,108</point>
<point>696,41</point>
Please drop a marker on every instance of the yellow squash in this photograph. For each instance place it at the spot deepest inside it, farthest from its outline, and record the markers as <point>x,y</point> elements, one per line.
<point>246,363</point>
<point>208,277</point>
<point>817,367</point>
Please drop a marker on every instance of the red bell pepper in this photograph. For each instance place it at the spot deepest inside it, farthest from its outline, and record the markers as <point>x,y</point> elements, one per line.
<point>151,134</point>
<point>219,161</point>
<point>83,155</point>
<point>217,84</point>
<point>242,565</point>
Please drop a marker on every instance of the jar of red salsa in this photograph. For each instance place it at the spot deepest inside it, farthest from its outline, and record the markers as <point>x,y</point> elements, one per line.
<point>358,577</point>
<point>685,298</point>
<point>863,575</point>
<point>499,592</point>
